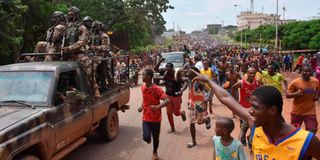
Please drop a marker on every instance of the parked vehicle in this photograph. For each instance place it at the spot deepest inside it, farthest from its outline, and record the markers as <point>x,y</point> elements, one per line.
<point>176,58</point>
<point>48,109</point>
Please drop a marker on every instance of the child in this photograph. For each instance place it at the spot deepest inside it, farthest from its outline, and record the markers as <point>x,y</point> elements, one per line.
<point>197,105</point>
<point>206,71</point>
<point>225,146</point>
<point>272,137</point>
<point>151,107</point>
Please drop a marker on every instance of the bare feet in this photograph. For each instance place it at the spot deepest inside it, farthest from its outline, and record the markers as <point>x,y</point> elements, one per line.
<point>183,115</point>
<point>155,156</point>
<point>172,130</point>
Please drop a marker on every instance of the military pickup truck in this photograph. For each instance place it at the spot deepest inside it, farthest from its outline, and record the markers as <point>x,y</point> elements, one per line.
<point>47,110</point>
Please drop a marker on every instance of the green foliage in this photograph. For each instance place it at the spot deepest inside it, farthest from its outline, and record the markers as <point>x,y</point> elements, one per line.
<point>295,35</point>
<point>24,22</point>
<point>36,21</point>
<point>10,30</point>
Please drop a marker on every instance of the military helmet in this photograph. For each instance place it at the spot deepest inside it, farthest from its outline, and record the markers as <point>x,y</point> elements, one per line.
<point>74,10</point>
<point>73,14</point>
<point>96,24</point>
<point>58,16</point>
<point>87,18</point>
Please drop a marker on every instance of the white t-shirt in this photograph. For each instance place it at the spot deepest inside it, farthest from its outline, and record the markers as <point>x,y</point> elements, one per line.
<point>199,65</point>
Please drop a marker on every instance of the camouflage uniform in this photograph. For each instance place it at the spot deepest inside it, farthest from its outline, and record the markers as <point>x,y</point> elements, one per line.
<point>100,44</point>
<point>54,38</point>
<point>76,39</point>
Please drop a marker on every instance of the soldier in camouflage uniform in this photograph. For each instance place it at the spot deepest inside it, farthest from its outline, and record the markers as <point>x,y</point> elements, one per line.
<point>100,45</point>
<point>87,21</point>
<point>54,36</point>
<point>76,38</point>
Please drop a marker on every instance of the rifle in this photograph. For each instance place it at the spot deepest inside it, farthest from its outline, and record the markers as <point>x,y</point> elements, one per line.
<point>62,45</point>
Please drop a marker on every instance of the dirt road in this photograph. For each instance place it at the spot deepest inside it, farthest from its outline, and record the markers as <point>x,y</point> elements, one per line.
<point>130,146</point>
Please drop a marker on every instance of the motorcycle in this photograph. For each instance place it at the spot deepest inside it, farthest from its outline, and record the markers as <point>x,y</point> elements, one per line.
<point>133,76</point>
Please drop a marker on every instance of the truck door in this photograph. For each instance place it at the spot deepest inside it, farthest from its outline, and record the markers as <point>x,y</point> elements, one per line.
<point>71,121</point>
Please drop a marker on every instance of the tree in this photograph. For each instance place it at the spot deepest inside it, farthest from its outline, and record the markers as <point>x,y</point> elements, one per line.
<point>24,22</point>
<point>10,30</point>
<point>296,35</point>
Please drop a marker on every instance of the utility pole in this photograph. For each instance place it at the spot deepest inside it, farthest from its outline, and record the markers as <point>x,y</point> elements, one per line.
<point>277,34</point>
<point>260,40</point>
<point>284,11</point>
<point>236,5</point>
<point>241,37</point>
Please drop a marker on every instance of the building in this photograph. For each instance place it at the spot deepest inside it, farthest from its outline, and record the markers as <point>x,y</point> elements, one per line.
<point>214,28</point>
<point>249,20</point>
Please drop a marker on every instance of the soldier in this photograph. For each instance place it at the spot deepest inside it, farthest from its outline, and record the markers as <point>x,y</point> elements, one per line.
<point>54,38</point>
<point>100,45</point>
<point>55,34</point>
<point>76,38</point>
<point>87,21</point>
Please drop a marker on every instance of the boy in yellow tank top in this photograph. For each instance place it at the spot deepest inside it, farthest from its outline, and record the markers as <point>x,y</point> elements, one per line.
<point>272,137</point>
<point>206,71</point>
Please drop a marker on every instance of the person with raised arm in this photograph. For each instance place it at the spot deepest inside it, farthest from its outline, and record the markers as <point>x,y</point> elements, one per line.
<point>271,136</point>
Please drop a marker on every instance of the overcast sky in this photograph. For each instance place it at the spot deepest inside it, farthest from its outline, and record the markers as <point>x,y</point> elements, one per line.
<point>192,15</point>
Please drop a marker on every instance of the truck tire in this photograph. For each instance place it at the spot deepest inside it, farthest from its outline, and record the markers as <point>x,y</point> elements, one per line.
<point>110,125</point>
<point>26,157</point>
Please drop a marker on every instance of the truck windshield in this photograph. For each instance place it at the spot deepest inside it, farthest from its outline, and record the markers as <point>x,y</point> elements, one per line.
<point>25,86</point>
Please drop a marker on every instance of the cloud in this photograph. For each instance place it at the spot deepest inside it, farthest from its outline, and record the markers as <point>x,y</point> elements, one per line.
<point>195,13</point>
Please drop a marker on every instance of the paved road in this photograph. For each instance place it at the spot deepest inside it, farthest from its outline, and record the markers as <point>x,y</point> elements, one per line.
<point>130,146</point>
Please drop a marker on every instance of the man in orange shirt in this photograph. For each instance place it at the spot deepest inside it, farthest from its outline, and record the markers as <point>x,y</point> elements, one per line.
<point>305,91</point>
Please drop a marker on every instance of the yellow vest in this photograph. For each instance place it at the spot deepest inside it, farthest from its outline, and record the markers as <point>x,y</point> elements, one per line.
<point>290,147</point>
<point>208,73</point>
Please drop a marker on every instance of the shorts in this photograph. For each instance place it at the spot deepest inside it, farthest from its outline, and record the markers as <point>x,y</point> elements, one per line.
<point>310,121</point>
<point>151,129</point>
<point>195,116</point>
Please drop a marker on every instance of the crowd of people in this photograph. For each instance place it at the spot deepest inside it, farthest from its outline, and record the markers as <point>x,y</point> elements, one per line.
<point>252,85</point>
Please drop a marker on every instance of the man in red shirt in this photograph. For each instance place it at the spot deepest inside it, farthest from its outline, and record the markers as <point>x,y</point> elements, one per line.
<point>299,64</point>
<point>247,86</point>
<point>151,107</point>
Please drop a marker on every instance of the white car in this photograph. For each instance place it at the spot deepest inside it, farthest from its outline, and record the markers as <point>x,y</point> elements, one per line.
<point>176,58</point>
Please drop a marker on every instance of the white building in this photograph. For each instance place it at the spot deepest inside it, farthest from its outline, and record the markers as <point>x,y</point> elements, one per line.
<point>249,20</point>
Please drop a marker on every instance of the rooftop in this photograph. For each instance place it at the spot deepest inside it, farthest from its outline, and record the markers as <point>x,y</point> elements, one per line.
<point>39,66</point>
